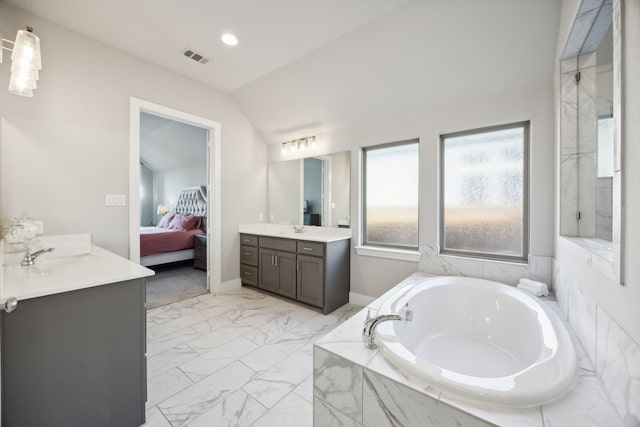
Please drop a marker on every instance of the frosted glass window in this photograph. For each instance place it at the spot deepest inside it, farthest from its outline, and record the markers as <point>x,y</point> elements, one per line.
<point>484,206</point>
<point>391,194</point>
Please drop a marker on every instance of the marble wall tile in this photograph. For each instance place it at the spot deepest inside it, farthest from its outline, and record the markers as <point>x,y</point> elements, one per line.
<point>587,112</point>
<point>324,415</point>
<point>587,192</point>
<point>186,406</point>
<point>386,403</point>
<point>618,364</point>
<point>239,409</point>
<point>604,208</point>
<point>569,112</point>
<point>561,288</point>
<point>504,272</point>
<point>569,65</point>
<point>432,262</point>
<point>338,382</point>
<point>540,269</point>
<point>568,194</point>
<point>586,403</point>
<point>582,318</point>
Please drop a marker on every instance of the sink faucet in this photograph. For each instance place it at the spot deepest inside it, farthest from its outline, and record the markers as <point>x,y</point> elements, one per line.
<point>298,229</point>
<point>370,324</point>
<point>30,258</point>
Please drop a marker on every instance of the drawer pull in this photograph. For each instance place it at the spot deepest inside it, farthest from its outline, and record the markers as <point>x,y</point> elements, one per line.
<point>246,273</point>
<point>247,253</point>
<point>307,249</point>
<point>247,240</point>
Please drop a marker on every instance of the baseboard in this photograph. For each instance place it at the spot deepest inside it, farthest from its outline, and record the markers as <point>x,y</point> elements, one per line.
<point>359,299</point>
<point>229,285</point>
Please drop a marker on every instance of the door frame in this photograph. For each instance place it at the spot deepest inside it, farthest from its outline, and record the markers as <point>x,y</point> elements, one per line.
<point>214,181</point>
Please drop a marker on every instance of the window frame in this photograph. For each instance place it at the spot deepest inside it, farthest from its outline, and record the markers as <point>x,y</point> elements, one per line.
<point>363,205</point>
<point>526,213</point>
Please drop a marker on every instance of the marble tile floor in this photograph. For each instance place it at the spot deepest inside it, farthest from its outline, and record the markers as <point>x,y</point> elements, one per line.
<point>243,358</point>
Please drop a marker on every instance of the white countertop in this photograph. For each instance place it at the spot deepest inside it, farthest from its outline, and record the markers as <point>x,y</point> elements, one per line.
<point>74,264</point>
<point>310,233</point>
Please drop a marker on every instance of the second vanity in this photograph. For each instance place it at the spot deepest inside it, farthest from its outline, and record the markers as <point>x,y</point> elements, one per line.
<point>311,266</point>
<point>73,351</point>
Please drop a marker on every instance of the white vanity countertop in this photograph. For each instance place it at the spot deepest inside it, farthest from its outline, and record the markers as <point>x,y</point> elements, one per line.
<point>310,233</point>
<point>74,264</point>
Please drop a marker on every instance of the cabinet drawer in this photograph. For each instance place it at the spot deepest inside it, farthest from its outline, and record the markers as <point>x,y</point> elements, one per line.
<point>249,275</point>
<point>311,248</point>
<point>248,239</point>
<point>249,255</point>
<point>278,244</point>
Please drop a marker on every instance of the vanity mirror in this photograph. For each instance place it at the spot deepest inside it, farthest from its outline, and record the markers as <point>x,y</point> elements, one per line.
<point>590,140</point>
<point>310,191</point>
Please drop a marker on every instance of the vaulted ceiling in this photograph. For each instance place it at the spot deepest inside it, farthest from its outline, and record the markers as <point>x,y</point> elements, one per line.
<point>304,67</point>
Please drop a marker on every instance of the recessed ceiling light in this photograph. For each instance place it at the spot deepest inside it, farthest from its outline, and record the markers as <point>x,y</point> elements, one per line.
<point>229,39</point>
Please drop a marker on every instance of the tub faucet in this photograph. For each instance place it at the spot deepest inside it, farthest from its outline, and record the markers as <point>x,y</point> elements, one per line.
<point>370,324</point>
<point>30,258</point>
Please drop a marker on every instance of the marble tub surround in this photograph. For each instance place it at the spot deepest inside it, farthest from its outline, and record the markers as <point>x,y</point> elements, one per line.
<point>613,353</point>
<point>239,358</point>
<point>74,264</point>
<point>388,398</point>
<point>538,268</point>
<point>310,233</point>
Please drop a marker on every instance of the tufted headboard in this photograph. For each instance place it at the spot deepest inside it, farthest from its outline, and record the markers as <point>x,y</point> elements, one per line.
<point>192,200</point>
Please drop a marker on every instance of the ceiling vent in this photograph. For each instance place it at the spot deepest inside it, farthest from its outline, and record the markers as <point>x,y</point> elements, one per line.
<point>190,53</point>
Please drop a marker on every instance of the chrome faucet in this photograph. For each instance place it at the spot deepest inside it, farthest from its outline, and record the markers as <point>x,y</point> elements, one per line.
<point>30,258</point>
<point>298,229</point>
<point>370,324</point>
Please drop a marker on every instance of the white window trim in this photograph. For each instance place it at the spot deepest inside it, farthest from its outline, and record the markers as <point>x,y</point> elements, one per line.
<point>389,253</point>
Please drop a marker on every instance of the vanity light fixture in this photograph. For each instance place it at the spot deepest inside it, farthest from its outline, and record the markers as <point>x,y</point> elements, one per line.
<point>299,145</point>
<point>26,61</point>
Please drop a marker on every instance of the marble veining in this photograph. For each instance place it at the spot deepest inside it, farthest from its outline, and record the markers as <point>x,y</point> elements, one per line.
<point>538,267</point>
<point>241,358</point>
<point>389,398</point>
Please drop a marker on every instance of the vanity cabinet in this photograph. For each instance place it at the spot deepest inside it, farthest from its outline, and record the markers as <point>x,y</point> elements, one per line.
<point>76,358</point>
<point>315,273</point>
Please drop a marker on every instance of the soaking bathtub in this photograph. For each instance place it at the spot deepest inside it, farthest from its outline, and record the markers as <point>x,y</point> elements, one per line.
<point>481,340</point>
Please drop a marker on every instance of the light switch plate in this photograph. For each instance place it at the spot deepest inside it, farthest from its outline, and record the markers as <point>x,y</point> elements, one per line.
<point>116,200</point>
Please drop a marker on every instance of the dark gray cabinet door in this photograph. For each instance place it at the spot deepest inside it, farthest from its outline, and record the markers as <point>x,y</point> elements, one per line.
<point>286,274</point>
<point>268,278</point>
<point>76,359</point>
<point>311,280</point>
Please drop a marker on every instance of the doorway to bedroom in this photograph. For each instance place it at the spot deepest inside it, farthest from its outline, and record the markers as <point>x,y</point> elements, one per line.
<point>173,213</point>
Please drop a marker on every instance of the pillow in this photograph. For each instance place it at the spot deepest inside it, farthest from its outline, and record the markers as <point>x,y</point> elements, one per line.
<point>166,220</point>
<point>184,222</point>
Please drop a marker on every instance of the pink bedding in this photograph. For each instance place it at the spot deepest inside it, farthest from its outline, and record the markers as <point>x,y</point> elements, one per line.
<point>154,240</point>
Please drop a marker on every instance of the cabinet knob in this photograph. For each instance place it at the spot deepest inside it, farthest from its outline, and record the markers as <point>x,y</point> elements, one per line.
<point>9,305</point>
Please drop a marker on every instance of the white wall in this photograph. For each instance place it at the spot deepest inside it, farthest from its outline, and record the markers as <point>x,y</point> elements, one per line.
<point>64,149</point>
<point>622,303</point>
<point>340,187</point>
<point>373,276</point>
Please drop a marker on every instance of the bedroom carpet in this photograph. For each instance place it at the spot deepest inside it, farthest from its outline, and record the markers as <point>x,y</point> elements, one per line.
<point>175,283</point>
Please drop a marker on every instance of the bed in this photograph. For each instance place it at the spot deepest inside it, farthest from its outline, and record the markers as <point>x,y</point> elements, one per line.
<point>161,245</point>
